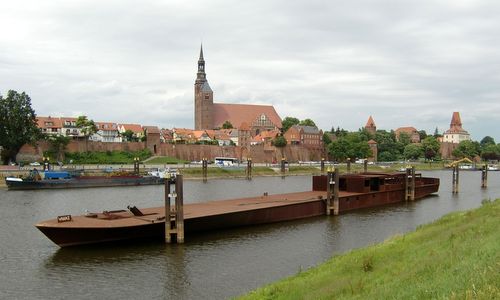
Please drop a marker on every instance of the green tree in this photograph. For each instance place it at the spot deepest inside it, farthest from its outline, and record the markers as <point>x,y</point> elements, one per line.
<point>58,144</point>
<point>307,122</point>
<point>467,149</point>
<point>487,140</point>
<point>490,152</point>
<point>87,128</point>
<point>289,122</point>
<point>431,147</point>
<point>351,145</point>
<point>129,136</point>
<point>388,148</point>
<point>422,134</point>
<point>413,151</point>
<point>227,125</point>
<point>18,125</point>
<point>326,139</point>
<point>279,141</point>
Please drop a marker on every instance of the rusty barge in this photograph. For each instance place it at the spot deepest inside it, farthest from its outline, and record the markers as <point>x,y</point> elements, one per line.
<point>355,191</point>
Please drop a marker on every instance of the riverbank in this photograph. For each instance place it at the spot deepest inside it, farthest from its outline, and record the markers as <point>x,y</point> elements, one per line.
<point>457,256</point>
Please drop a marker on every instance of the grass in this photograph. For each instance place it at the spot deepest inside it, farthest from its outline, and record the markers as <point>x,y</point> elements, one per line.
<point>455,257</point>
<point>226,172</point>
<point>161,160</point>
<point>108,157</point>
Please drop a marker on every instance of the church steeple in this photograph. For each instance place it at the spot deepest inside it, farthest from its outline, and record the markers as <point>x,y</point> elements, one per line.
<point>203,98</point>
<point>201,76</point>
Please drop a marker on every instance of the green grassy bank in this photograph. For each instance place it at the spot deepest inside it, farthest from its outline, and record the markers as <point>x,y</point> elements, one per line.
<point>455,257</point>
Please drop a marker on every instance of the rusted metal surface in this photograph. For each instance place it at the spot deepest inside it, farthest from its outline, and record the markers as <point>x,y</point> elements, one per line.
<point>377,189</point>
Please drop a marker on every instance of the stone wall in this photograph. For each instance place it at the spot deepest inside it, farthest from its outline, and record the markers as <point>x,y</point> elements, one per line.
<point>258,153</point>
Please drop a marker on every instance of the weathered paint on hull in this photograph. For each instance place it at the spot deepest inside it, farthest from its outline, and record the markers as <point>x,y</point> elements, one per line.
<point>156,230</point>
<point>83,183</point>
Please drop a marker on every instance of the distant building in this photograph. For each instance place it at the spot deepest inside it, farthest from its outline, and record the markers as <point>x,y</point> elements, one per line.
<point>209,115</point>
<point>135,128</point>
<point>456,133</point>
<point>412,133</point>
<point>370,126</point>
<point>49,125</point>
<point>373,147</point>
<point>307,136</point>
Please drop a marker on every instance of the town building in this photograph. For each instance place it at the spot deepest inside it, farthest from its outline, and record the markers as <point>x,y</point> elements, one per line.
<point>49,125</point>
<point>411,132</point>
<point>456,133</point>
<point>209,115</point>
<point>307,136</point>
<point>106,132</point>
<point>135,128</point>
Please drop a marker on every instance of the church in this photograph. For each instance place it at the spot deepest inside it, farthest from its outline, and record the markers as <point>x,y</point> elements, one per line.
<point>246,117</point>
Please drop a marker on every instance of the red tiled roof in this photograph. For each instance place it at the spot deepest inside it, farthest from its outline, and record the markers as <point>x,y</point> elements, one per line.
<point>41,122</point>
<point>239,113</point>
<point>151,129</point>
<point>370,122</point>
<point>136,128</point>
<point>409,130</point>
<point>456,124</point>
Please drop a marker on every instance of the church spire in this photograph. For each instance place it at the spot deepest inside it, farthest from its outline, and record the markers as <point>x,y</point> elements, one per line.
<point>201,77</point>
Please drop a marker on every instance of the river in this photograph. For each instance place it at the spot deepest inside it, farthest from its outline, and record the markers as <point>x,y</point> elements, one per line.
<point>215,265</point>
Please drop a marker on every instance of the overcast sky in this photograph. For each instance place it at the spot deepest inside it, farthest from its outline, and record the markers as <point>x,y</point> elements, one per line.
<point>406,63</point>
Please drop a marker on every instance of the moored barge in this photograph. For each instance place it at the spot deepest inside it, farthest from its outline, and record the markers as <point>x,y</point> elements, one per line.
<point>356,191</point>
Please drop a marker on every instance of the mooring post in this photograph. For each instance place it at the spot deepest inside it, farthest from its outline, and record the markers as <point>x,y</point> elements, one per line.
<point>484,176</point>
<point>174,215</point>
<point>322,165</point>
<point>455,179</point>
<point>179,209</point>
<point>336,192</point>
<point>136,165</point>
<point>329,179</point>
<point>282,165</point>
<point>365,165</point>
<point>410,183</point>
<point>348,165</point>
<point>249,168</point>
<point>332,192</point>
<point>168,211</point>
<point>204,167</point>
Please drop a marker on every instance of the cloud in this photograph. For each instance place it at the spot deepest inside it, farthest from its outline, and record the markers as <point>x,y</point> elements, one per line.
<point>336,62</point>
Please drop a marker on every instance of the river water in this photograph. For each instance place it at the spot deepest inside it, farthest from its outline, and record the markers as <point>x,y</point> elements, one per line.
<point>215,265</point>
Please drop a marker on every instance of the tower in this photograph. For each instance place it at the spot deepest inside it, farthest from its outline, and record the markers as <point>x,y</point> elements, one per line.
<point>203,98</point>
<point>370,126</point>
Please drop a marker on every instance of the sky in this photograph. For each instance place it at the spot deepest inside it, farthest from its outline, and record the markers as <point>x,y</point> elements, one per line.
<point>406,63</point>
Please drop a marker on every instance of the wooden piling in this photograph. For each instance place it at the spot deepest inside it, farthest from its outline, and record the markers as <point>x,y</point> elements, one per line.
<point>174,215</point>
<point>204,167</point>
<point>348,165</point>
<point>410,183</point>
<point>455,179</point>
<point>484,176</point>
<point>322,165</point>
<point>249,169</point>
<point>365,165</point>
<point>332,193</point>
<point>283,166</point>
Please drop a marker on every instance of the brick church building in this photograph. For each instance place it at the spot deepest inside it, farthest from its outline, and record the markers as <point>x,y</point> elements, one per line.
<point>209,115</point>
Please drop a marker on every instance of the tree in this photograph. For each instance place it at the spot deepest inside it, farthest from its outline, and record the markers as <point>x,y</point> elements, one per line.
<point>129,135</point>
<point>349,146</point>
<point>487,140</point>
<point>431,147</point>
<point>388,149</point>
<point>422,134</point>
<point>58,144</point>
<point>289,122</point>
<point>467,149</point>
<point>307,122</point>
<point>227,125</point>
<point>18,125</point>
<point>326,139</point>
<point>279,141</point>
<point>413,151</point>
<point>87,127</point>
<point>491,152</point>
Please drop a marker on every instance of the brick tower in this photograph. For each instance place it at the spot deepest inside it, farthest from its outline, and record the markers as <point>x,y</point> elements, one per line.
<point>203,98</point>
<point>370,126</point>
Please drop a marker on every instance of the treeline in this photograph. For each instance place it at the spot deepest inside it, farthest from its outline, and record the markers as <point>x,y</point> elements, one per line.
<point>391,148</point>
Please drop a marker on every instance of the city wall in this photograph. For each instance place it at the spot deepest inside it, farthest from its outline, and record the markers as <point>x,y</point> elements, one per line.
<point>258,153</point>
